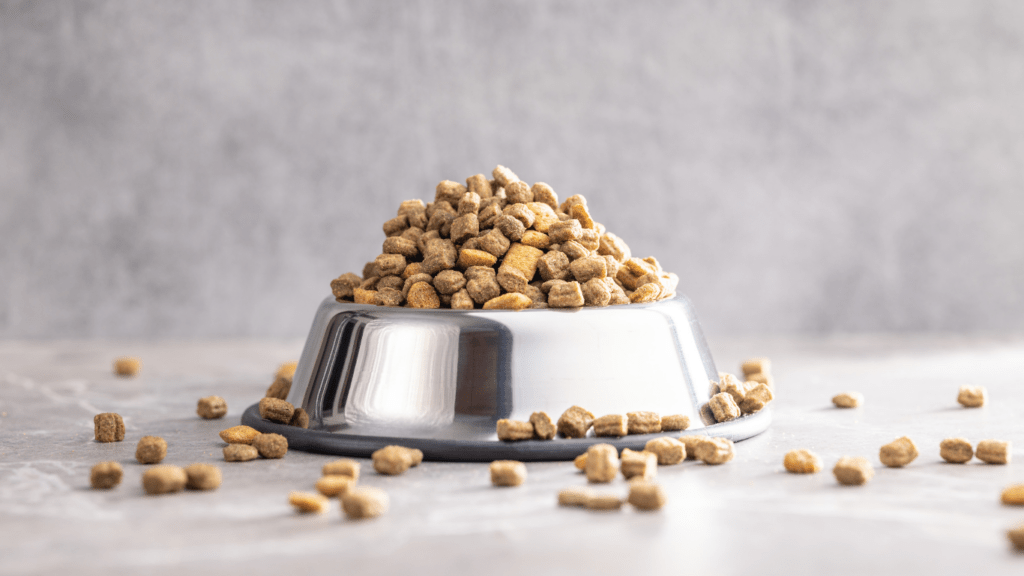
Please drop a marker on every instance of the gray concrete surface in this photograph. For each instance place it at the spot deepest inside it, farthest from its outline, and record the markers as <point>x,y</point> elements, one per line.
<point>206,168</point>
<point>747,516</point>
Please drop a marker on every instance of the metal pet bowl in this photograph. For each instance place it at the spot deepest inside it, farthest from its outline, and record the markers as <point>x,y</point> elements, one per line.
<point>439,380</point>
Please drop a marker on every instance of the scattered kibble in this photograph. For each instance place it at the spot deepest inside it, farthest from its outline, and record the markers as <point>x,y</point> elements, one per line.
<point>993,451</point>
<point>898,453</point>
<point>543,427</point>
<point>1013,495</point>
<point>271,445</point>
<point>212,407</point>
<point>239,435</point>
<point>853,471</point>
<point>393,460</point>
<point>668,450</point>
<point>574,496</point>
<point>343,467</point>
<point>598,501</point>
<point>643,422</point>
<point>675,423</point>
<point>299,418</point>
<point>575,422</point>
<point>276,410</point>
<point>956,450</point>
<point>715,451</point>
<point>164,479</point>
<point>202,477</point>
<point>724,407</point>
<point>507,473</point>
<point>602,463</point>
<point>581,461</point>
<point>150,450</point>
<point>639,464</point>
<point>509,430</point>
<point>1016,536</point>
<point>691,441</point>
<point>332,486</point>
<point>802,462</point>
<point>308,503</point>
<point>108,427</point>
<point>127,366</point>
<point>848,400</point>
<point>240,453</point>
<point>611,425</point>
<point>105,475</point>
<point>366,502</point>
<point>972,396</point>
<point>645,495</point>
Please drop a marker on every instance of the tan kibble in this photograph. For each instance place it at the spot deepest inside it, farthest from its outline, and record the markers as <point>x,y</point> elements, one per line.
<point>848,400</point>
<point>365,296</point>
<point>412,280</point>
<point>450,192</point>
<point>105,475</point>
<point>690,442</point>
<point>509,430</point>
<point>643,422</point>
<point>507,473</point>
<point>898,453</point>
<point>388,296</point>
<point>212,407</point>
<point>308,503</point>
<point>150,450</point>
<point>271,445</point>
<point>127,366</point>
<point>300,419</point>
<point>574,496</point>
<point>853,471</point>
<point>164,479</point>
<point>602,463</point>
<point>554,266</point>
<point>343,467</point>
<point>645,496</point>
<point>763,379</point>
<point>612,245</point>
<point>756,366</point>
<point>287,369</point>
<point>423,295</point>
<point>1016,536</point>
<point>993,451</point>
<point>603,502</point>
<point>724,407</point>
<point>482,286</point>
<point>675,422</point>
<point>536,239</point>
<point>469,258</point>
<point>343,285</point>
<point>503,176</point>
<point>589,267</point>
<point>580,213</point>
<point>461,300</point>
<point>956,450</point>
<point>239,434</point>
<point>611,425</point>
<point>757,397</point>
<point>400,245</point>
<point>281,386</point>
<point>393,460</point>
<point>646,293</point>
<point>668,450</point>
<point>449,281</point>
<point>715,450</point>
<point>561,232</point>
<point>639,464</point>
<point>332,486</point>
<point>580,462</point>
<point>591,240</point>
<point>518,193</point>
<point>543,427</point>
<point>596,292</point>
<point>802,462</point>
<point>972,396</point>
<point>566,295</point>
<point>573,250</point>
<point>510,301</point>
<point>276,410</point>
<point>390,264</point>
<point>108,427</point>
<point>362,503</point>
<point>240,453</point>
<point>390,282</point>
<point>1013,495</point>
<point>202,477</point>
<point>523,259</point>
<point>732,386</point>
<point>480,185</point>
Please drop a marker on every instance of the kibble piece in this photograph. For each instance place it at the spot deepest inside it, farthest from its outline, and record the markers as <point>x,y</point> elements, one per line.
<point>1013,495</point>
<point>343,467</point>
<point>127,366</point>
<point>423,295</point>
<point>105,475</point>
<point>596,292</point>
<point>574,496</point>
<point>802,462</point>
<point>365,296</point>
<point>646,496</point>
<point>395,226</point>
<point>479,184</point>
<point>514,430</point>
<point>360,503</point>
<point>400,245</point>
<point>510,226</point>
<point>108,427</point>
<point>762,378</point>
<point>848,400</point>
<point>536,239</point>
<point>202,477</point>
<point>393,460</point>
<point>602,463</point>
<point>164,479</point>
<point>733,387</point>
<point>561,232</point>
<point>724,407</point>
<point>715,451</point>
<point>239,434</point>
<point>956,450</point>
<point>639,464</point>
<point>972,396</point>
<point>675,422</point>
<point>853,471</point>
<point>603,502</point>
<point>461,300</point>
<point>510,301</point>
<point>993,451</point>
<point>150,449</point>
<point>287,369</point>
<point>271,445</point>
<point>756,366</point>
<point>300,419</point>
<point>645,293</point>
<point>212,407</point>
<point>573,250</point>
<point>441,254</point>
<point>240,453</point>
<point>612,245</point>
<point>507,473</point>
<point>668,450</point>
<point>611,425</point>
<point>589,267</point>
<point>332,486</point>
<point>691,442</point>
<point>591,239</point>
<point>280,388</point>
<point>543,427</point>
<point>503,176</point>
<point>468,257</point>
<point>343,285</point>
<point>758,396</point>
<point>276,410</point>
<point>1016,536</point>
<point>465,227</point>
<point>566,295</point>
<point>388,296</point>
<point>580,461</point>
<point>898,453</point>
<point>643,422</point>
<point>308,503</point>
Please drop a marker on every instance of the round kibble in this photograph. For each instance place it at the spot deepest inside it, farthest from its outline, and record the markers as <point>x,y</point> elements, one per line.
<point>105,475</point>
<point>150,450</point>
<point>164,479</point>
<point>212,407</point>
<point>202,477</point>
<point>271,445</point>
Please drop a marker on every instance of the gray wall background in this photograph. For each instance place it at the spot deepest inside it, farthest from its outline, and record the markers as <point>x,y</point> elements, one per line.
<point>203,168</point>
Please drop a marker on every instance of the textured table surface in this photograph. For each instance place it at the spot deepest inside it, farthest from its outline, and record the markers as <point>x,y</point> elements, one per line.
<point>747,515</point>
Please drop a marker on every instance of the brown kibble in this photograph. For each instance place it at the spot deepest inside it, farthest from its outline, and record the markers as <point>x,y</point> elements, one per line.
<point>343,467</point>
<point>596,292</point>
<point>239,434</point>
<point>589,267</point>
<point>518,192</point>
<point>562,232</point>
<point>510,301</point>
<point>850,471</point>
<point>276,410</point>
<point>503,176</point>
<point>469,258</point>
<point>510,226</point>
<point>441,254</point>
<point>756,366</point>
<point>715,450</point>
<point>271,445</point>
<point>724,407</point>
<point>423,295</point>
<point>164,479</point>
<point>898,453</point>
<point>390,264</point>
<point>545,194</point>
<point>611,425</point>
<point>612,245</point>
<point>639,464</point>
<point>646,496</point>
<point>461,300</point>
<point>388,296</point>
<point>300,419</point>
<point>412,280</point>
<point>449,281</point>
<point>365,296</point>
<point>574,496</point>
<point>332,486</point>
<point>602,463</point>
<point>393,460</point>
<point>567,295</point>
<point>1016,536</point>
<point>360,503</point>
<point>574,422</point>
<point>509,430</point>
<point>479,185</point>
<point>240,453</point>
<point>105,475</point>
<point>400,245</point>
<point>675,423</point>
<point>108,427</point>
<point>690,442</point>
<point>281,387</point>
<point>668,450</point>
<point>646,293</point>
<point>591,240</point>
<point>643,422</point>
<point>543,427</point>
<point>308,503</point>
<point>523,259</point>
<point>573,250</point>
<point>507,473</point>
<point>465,227</point>
<point>730,385</point>
<point>202,477</point>
<point>469,204</point>
<point>536,239</point>
<point>212,407</point>
<point>580,213</point>
<point>580,462</point>
<point>993,451</point>
<point>956,450</point>
<point>395,226</point>
<point>150,450</point>
<point>1013,495</point>
<point>343,285</point>
<point>603,502</point>
<point>848,400</point>
<point>554,266</point>
<point>482,286</point>
<point>972,396</point>
<point>127,366</point>
<point>758,396</point>
<point>802,462</point>
<point>450,192</point>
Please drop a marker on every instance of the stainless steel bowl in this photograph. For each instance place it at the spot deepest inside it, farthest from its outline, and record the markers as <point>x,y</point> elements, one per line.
<point>439,380</point>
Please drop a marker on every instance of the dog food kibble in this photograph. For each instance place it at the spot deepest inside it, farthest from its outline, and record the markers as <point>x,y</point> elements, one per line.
<point>639,464</point>
<point>611,425</point>
<point>332,486</point>
<point>392,460</point>
<point>853,471</point>
<point>343,467</point>
<point>802,462</point>
<point>202,477</point>
<point>956,450</point>
<point>127,366</point>
<point>543,427</point>
<point>361,503</point>
<point>164,479</point>
<point>580,461</point>
<point>574,496</point>
<point>691,442</point>
<point>574,422</point>
<point>108,427</point>
<point>276,410</point>
<point>645,496</point>
<point>715,450</point>
<point>514,430</point>
<point>1016,536</point>
<point>603,502</point>
<point>239,434</point>
<point>848,400</point>
<point>668,450</point>
<point>105,475</point>
<point>972,396</point>
<point>756,366</point>
<point>240,453</point>
<point>271,445</point>
<point>507,473</point>
<point>724,407</point>
<point>1013,495</point>
<point>993,451</point>
<point>898,453</point>
<point>280,388</point>
<point>150,450</point>
<point>643,422</point>
<point>602,463</point>
<point>212,407</point>
<point>756,398</point>
<point>308,503</point>
<point>674,423</point>
<point>299,419</point>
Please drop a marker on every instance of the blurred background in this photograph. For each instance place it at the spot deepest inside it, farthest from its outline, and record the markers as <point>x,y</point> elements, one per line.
<point>204,169</point>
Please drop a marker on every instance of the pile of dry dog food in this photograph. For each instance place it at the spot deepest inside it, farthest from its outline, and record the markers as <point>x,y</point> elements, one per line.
<point>502,244</point>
